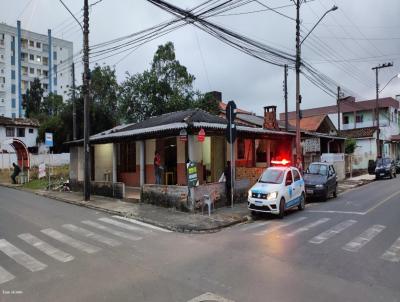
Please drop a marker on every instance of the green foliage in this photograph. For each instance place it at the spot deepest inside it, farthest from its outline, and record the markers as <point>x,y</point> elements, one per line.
<point>350,145</point>
<point>52,104</point>
<point>33,98</point>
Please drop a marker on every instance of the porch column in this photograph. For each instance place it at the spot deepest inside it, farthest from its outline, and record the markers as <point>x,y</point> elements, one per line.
<point>114,163</point>
<point>268,153</point>
<point>142,163</point>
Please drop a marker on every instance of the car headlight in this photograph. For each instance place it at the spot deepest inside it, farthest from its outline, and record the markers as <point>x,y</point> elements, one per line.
<point>272,196</point>
<point>249,194</point>
<point>319,186</point>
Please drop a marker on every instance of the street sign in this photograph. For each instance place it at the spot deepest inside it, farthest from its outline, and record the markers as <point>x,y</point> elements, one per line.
<point>183,135</point>
<point>192,174</point>
<point>230,111</point>
<point>231,132</point>
<point>48,140</point>
<point>42,170</point>
<point>201,136</point>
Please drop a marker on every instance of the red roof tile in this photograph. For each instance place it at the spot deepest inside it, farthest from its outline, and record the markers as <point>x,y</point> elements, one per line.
<point>359,132</point>
<point>310,123</point>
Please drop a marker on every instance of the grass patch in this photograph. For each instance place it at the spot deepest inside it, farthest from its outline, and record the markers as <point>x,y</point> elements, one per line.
<point>37,184</point>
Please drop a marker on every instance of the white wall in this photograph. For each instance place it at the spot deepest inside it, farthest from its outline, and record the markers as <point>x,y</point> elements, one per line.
<point>103,159</point>
<point>29,139</point>
<point>56,160</point>
<point>366,150</point>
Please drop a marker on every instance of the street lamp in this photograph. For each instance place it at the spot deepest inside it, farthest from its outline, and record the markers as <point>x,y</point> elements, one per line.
<point>395,76</point>
<point>298,64</point>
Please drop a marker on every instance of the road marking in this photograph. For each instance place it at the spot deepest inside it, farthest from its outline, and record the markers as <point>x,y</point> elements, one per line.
<point>308,226</point>
<point>5,276</point>
<point>280,225</point>
<point>21,257</point>
<point>91,235</point>
<point>79,245</point>
<point>46,248</point>
<point>393,253</point>
<point>382,202</point>
<point>254,225</point>
<point>111,231</point>
<point>336,212</point>
<point>357,243</point>
<point>123,225</point>
<point>147,225</point>
<point>332,231</point>
<point>209,297</point>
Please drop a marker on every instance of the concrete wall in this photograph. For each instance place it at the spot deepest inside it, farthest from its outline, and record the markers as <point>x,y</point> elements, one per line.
<point>166,196</point>
<point>29,139</point>
<point>366,150</point>
<point>76,172</point>
<point>103,160</point>
<point>101,188</point>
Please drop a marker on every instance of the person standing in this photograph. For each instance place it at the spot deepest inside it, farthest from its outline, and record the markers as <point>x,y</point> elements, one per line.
<point>228,183</point>
<point>16,172</point>
<point>157,167</point>
<point>299,166</point>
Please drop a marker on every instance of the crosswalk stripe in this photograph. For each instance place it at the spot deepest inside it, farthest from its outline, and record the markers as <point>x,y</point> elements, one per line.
<point>142,224</point>
<point>5,276</point>
<point>393,253</point>
<point>308,226</point>
<point>254,225</point>
<point>280,226</point>
<point>111,231</point>
<point>357,243</point>
<point>79,245</point>
<point>332,231</point>
<point>21,257</point>
<point>46,248</point>
<point>123,225</point>
<point>91,235</point>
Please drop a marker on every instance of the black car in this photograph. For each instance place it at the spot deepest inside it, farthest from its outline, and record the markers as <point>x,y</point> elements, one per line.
<point>320,180</point>
<point>385,167</point>
<point>397,166</point>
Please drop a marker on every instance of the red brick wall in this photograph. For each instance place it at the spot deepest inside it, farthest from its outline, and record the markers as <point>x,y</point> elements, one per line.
<point>131,179</point>
<point>150,176</point>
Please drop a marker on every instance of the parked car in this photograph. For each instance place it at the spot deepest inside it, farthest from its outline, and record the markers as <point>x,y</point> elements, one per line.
<point>278,189</point>
<point>397,166</point>
<point>320,180</point>
<point>371,167</point>
<point>385,167</point>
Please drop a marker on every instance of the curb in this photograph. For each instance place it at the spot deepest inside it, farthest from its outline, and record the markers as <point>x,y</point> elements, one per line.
<point>178,229</point>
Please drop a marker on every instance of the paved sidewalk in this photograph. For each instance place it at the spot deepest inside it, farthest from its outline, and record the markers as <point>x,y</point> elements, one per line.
<point>354,182</point>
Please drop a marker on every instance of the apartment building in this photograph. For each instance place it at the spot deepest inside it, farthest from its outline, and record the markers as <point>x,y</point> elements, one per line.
<point>24,56</point>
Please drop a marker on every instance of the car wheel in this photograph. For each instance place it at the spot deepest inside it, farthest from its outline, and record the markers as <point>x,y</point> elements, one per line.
<point>395,174</point>
<point>376,177</point>
<point>281,208</point>
<point>254,214</point>
<point>335,192</point>
<point>302,203</point>
<point>391,175</point>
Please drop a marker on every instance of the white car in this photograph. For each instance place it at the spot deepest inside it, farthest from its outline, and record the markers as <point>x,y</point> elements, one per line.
<point>278,189</point>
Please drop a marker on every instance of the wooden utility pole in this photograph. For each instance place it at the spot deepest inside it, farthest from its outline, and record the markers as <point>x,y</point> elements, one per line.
<point>298,96</point>
<point>338,109</point>
<point>74,136</point>
<point>286,99</point>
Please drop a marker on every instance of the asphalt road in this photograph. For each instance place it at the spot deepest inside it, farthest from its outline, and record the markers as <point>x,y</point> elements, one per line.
<point>346,249</point>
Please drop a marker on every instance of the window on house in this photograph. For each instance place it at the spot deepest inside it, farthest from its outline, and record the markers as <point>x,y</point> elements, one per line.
<point>38,59</point>
<point>12,74</point>
<point>13,115</point>
<point>39,72</point>
<point>32,70</point>
<point>241,148</point>
<point>13,60</point>
<point>345,120</point>
<point>45,73</point>
<point>128,157</point>
<point>31,43</point>
<point>38,44</point>
<point>359,118</point>
<point>55,55</point>
<point>45,61</point>
<point>13,102</point>
<point>32,57</point>
<point>21,132</point>
<point>30,130</point>
<point>10,132</point>
<point>13,89</point>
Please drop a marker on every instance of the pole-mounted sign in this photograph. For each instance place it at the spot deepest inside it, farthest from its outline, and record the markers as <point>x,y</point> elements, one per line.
<point>231,138</point>
<point>48,139</point>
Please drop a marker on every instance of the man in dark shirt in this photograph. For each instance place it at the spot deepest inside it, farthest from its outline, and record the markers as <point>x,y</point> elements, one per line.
<point>16,172</point>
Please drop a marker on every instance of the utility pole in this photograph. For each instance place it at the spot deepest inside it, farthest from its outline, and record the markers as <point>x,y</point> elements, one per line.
<point>286,99</point>
<point>378,129</point>
<point>298,96</point>
<point>86,120</point>
<point>74,136</point>
<point>338,109</point>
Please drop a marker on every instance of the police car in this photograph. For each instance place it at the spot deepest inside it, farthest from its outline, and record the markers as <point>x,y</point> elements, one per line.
<point>279,188</point>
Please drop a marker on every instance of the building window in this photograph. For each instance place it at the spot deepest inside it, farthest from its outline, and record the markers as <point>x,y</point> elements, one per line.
<point>21,132</point>
<point>32,70</point>
<point>45,73</point>
<point>31,43</point>
<point>13,115</point>
<point>39,72</point>
<point>345,120</point>
<point>38,45</point>
<point>359,118</point>
<point>30,130</point>
<point>45,61</point>
<point>12,74</point>
<point>240,148</point>
<point>12,60</point>
<point>32,57</point>
<point>128,157</point>
<point>13,102</point>
<point>55,55</point>
<point>55,81</point>
<point>10,131</point>
<point>13,88</point>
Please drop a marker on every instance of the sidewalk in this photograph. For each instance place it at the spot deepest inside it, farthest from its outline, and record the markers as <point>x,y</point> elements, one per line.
<point>354,182</point>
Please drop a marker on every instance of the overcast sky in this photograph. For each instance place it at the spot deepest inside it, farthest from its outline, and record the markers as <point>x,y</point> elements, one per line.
<point>345,45</point>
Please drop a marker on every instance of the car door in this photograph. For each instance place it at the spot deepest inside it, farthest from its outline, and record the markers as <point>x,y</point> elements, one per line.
<point>331,179</point>
<point>297,184</point>
<point>289,189</point>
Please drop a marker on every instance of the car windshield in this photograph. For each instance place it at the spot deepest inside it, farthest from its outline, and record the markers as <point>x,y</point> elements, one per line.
<point>317,169</point>
<point>272,176</point>
<point>383,161</point>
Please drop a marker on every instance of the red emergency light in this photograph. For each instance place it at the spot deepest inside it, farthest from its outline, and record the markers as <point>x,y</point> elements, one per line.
<point>283,162</point>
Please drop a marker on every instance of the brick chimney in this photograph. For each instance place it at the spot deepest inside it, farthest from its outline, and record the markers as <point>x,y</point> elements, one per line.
<point>270,118</point>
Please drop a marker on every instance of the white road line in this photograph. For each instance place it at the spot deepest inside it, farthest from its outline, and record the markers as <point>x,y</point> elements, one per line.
<point>111,231</point>
<point>79,245</point>
<point>122,225</point>
<point>308,226</point>
<point>393,253</point>
<point>332,231</point>
<point>336,212</point>
<point>21,257</point>
<point>254,225</point>
<point>147,225</point>
<point>5,276</point>
<point>357,243</point>
<point>91,235</point>
<point>280,225</point>
<point>46,248</point>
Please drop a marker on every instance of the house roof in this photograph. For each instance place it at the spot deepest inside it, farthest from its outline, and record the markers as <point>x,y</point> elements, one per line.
<point>222,107</point>
<point>359,132</point>
<point>7,121</point>
<point>311,123</point>
<point>348,105</point>
<point>395,138</point>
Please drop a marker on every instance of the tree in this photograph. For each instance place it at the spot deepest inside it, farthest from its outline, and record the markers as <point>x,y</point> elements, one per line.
<point>33,98</point>
<point>166,87</point>
<point>52,104</point>
<point>350,145</point>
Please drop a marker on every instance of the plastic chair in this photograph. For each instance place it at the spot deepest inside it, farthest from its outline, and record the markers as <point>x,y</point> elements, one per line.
<point>207,201</point>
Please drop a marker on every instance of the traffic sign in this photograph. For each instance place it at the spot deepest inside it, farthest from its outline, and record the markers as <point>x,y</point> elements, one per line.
<point>230,111</point>
<point>48,140</point>
<point>231,133</point>
<point>192,174</point>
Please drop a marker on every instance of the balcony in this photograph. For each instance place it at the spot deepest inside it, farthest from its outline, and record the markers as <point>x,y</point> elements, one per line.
<point>2,87</point>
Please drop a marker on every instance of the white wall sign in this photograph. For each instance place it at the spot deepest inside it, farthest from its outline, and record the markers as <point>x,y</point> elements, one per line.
<point>312,145</point>
<point>42,170</point>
